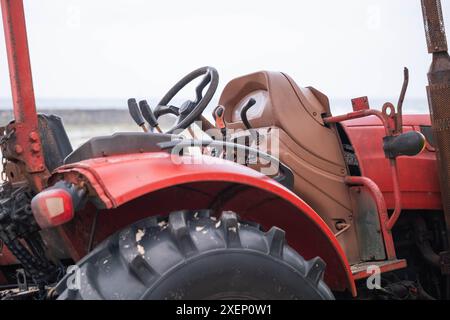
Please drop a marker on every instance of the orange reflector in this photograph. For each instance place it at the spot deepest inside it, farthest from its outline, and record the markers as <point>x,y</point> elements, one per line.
<point>52,207</point>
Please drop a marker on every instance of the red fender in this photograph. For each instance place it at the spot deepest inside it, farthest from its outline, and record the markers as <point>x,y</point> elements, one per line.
<point>127,184</point>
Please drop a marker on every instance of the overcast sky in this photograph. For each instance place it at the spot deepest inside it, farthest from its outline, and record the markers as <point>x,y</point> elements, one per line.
<point>118,48</point>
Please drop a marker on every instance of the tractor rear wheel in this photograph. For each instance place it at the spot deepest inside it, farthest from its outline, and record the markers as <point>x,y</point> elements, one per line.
<point>195,256</point>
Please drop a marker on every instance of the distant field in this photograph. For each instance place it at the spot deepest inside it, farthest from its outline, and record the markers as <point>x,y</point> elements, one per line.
<point>82,120</point>
<point>81,125</point>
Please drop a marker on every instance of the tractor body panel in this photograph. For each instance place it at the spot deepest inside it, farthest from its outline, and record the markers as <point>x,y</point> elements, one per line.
<point>135,186</point>
<point>418,175</point>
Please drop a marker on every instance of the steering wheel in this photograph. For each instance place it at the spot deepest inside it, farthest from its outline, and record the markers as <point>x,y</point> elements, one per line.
<point>189,111</point>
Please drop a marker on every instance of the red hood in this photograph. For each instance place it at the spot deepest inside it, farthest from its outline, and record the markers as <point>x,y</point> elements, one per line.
<point>408,120</point>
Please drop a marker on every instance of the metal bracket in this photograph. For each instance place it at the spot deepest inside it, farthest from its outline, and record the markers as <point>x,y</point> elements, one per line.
<point>361,103</point>
<point>21,277</point>
<point>445,262</point>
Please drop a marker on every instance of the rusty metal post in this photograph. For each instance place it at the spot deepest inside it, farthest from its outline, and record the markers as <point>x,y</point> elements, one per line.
<point>439,95</point>
<point>28,146</point>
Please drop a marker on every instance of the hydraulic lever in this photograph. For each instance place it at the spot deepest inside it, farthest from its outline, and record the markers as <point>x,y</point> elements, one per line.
<point>148,115</point>
<point>135,113</point>
<point>218,115</point>
<point>250,103</point>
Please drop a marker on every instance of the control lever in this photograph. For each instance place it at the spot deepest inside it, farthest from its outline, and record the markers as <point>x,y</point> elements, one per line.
<point>250,103</point>
<point>135,113</point>
<point>148,115</point>
<point>218,115</point>
<point>410,143</point>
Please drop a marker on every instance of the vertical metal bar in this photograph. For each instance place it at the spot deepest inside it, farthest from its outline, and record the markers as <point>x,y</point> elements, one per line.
<point>19,62</point>
<point>397,195</point>
<point>434,26</point>
<point>439,95</point>
<point>28,143</point>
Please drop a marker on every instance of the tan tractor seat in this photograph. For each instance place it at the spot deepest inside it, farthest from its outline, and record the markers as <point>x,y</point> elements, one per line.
<point>311,149</point>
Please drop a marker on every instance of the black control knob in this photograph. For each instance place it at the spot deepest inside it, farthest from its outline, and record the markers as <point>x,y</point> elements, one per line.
<point>135,113</point>
<point>148,114</point>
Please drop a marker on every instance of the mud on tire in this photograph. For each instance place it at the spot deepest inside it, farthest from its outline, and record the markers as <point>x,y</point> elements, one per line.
<point>192,255</point>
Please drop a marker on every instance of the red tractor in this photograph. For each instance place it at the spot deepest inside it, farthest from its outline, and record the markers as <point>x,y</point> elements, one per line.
<point>357,206</point>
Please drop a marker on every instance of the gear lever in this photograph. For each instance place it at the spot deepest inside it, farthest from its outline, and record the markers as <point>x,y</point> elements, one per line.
<point>148,115</point>
<point>218,115</point>
<point>251,102</point>
<point>135,113</point>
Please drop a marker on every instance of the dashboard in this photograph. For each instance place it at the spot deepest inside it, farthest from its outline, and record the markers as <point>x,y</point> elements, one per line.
<point>256,111</point>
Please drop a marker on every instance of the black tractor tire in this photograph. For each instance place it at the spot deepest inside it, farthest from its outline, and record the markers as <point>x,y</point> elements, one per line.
<point>192,255</point>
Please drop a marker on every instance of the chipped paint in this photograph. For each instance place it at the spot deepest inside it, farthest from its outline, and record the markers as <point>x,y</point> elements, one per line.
<point>162,224</point>
<point>141,250</point>
<point>139,234</point>
<point>199,228</point>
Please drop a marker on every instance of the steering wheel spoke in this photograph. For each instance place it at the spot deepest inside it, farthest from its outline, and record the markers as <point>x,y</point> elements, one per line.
<point>201,86</point>
<point>161,110</point>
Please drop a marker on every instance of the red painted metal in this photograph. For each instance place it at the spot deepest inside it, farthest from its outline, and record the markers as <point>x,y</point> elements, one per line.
<point>397,195</point>
<point>417,176</point>
<point>7,258</point>
<point>28,143</point>
<point>382,211</point>
<point>122,181</point>
<point>361,103</point>
<point>119,179</point>
<point>361,114</point>
<point>408,120</point>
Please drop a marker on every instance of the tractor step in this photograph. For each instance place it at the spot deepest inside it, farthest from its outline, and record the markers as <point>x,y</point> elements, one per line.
<point>366,269</point>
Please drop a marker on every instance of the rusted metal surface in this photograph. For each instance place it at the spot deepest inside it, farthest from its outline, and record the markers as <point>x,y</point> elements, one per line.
<point>391,117</point>
<point>366,221</point>
<point>399,115</point>
<point>382,210</point>
<point>439,95</point>
<point>387,117</point>
<point>361,103</point>
<point>434,26</point>
<point>361,271</point>
<point>27,143</point>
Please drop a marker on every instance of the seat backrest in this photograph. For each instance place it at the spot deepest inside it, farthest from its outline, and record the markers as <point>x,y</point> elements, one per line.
<point>311,149</point>
<point>55,142</point>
